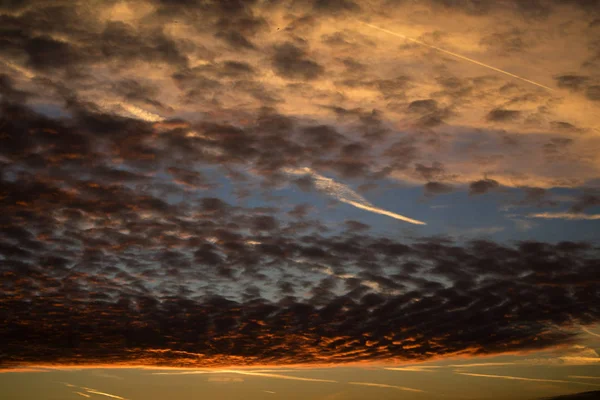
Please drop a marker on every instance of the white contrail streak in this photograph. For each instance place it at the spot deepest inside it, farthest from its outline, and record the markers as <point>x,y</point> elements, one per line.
<point>346,195</point>
<point>456,55</point>
<point>383,385</point>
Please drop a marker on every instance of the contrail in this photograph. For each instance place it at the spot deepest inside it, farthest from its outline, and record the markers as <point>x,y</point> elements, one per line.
<point>456,55</point>
<point>383,385</point>
<point>250,373</point>
<point>346,195</point>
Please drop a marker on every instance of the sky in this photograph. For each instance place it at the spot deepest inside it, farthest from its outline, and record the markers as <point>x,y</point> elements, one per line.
<point>300,199</point>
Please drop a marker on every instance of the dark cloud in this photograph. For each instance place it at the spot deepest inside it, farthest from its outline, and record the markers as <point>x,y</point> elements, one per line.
<point>435,170</point>
<point>572,82</point>
<point>431,114</point>
<point>235,39</point>
<point>501,115</point>
<point>537,197</point>
<point>483,186</point>
<point>115,247</point>
<point>292,62</point>
<point>593,92</point>
<point>356,226</point>
<point>586,200</point>
<point>93,315</point>
<point>506,43</point>
<point>336,6</point>
<point>435,188</point>
<point>46,53</point>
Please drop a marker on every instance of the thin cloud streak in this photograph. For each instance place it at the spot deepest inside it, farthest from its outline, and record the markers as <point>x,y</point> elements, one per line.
<point>473,365</point>
<point>94,391</point>
<point>565,215</point>
<point>589,332</point>
<point>456,55</point>
<point>518,378</point>
<point>346,195</point>
<point>249,373</point>
<point>414,369</point>
<point>82,394</point>
<point>383,385</point>
<point>583,377</point>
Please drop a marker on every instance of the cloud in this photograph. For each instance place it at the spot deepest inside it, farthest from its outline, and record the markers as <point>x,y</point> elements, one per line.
<point>518,378</point>
<point>346,195</point>
<point>565,216</point>
<point>589,332</point>
<point>292,62</point>
<point>249,373</point>
<point>383,385</point>
<point>416,283</point>
<point>483,186</point>
<point>414,369</point>
<point>435,188</point>
<point>585,201</point>
<point>500,115</point>
<point>474,365</point>
<point>99,393</point>
<point>144,159</point>
<point>583,377</point>
<point>224,379</point>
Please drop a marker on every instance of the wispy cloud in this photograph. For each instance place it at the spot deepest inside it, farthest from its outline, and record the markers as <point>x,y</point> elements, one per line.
<point>564,215</point>
<point>583,377</point>
<point>586,330</point>
<point>519,378</point>
<point>94,391</point>
<point>249,373</point>
<point>414,369</point>
<point>346,195</point>
<point>473,365</point>
<point>141,113</point>
<point>25,369</point>
<point>383,385</point>
<point>82,394</point>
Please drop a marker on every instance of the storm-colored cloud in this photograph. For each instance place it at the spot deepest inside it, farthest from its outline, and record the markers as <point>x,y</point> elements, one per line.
<point>157,176</point>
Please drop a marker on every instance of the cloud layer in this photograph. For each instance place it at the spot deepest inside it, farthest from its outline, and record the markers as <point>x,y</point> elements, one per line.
<point>147,161</point>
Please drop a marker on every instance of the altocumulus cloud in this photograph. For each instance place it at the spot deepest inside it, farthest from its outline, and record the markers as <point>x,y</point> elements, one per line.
<point>140,150</point>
